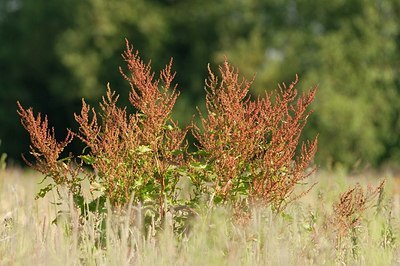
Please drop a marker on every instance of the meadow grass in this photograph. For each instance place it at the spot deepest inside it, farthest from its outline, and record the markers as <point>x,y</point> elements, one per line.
<point>302,235</point>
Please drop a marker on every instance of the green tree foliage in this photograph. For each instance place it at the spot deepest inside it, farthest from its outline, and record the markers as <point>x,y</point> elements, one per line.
<point>352,49</point>
<point>357,66</point>
<point>90,48</point>
<point>29,67</point>
<point>52,54</point>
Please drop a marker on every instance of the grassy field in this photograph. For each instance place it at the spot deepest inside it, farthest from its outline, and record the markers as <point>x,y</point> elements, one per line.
<point>303,235</point>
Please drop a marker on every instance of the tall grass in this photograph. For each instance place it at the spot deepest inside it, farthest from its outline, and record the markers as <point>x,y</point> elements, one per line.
<point>300,236</point>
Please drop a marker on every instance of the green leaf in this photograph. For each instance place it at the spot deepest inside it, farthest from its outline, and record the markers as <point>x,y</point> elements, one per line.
<point>88,159</point>
<point>42,192</point>
<point>143,149</point>
<point>218,199</point>
<point>201,153</point>
<point>3,163</point>
<point>287,216</point>
<point>65,159</point>
<point>177,152</point>
<point>98,205</point>
<point>199,165</point>
<point>79,201</point>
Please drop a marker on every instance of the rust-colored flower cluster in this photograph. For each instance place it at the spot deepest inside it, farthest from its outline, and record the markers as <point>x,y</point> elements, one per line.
<point>252,143</point>
<point>348,212</point>
<point>45,148</point>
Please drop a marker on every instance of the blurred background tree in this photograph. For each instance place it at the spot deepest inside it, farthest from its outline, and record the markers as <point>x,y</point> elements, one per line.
<point>52,53</point>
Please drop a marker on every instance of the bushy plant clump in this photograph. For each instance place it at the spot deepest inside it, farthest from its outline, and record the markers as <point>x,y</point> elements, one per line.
<point>248,151</point>
<point>250,145</point>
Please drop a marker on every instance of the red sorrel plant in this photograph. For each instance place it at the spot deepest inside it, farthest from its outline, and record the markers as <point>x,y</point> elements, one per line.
<point>248,147</point>
<point>347,213</point>
<point>128,155</point>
